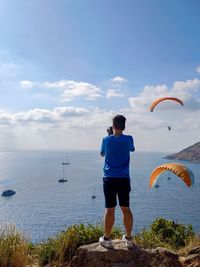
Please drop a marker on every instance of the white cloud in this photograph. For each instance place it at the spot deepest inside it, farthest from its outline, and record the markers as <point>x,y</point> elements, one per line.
<point>37,115</point>
<point>193,85</point>
<point>113,93</point>
<point>79,128</point>
<point>118,79</point>
<point>141,102</point>
<point>27,84</point>
<point>5,118</point>
<point>198,69</point>
<point>181,89</point>
<point>71,89</point>
<point>75,89</point>
<point>60,128</point>
<point>69,127</point>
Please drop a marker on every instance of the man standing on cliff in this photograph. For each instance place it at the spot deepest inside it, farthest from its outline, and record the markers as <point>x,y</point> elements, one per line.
<point>116,148</point>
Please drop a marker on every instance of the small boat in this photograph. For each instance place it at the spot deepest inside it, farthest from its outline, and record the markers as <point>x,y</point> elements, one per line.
<point>65,162</point>
<point>157,186</point>
<point>8,193</point>
<point>62,180</point>
<point>94,194</point>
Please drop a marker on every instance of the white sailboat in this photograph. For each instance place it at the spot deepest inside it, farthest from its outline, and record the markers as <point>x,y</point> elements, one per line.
<point>64,178</point>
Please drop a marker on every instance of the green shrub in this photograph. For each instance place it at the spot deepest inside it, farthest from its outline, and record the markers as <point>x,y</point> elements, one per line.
<point>165,233</point>
<point>65,245</point>
<point>177,235</point>
<point>147,239</point>
<point>47,251</point>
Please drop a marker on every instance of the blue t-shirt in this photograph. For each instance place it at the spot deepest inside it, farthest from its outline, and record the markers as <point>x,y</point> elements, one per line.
<point>116,150</point>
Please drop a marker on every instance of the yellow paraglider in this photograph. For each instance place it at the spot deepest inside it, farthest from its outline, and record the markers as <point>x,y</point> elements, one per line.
<point>178,169</point>
<point>157,101</point>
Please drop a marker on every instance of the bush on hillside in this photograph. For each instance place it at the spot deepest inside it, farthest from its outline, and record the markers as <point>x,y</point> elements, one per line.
<point>65,245</point>
<point>165,233</point>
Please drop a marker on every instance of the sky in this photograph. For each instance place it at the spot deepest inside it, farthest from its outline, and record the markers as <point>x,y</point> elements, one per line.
<point>68,66</point>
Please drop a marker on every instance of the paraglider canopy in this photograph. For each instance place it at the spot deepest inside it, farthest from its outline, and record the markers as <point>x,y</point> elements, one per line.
<point>157,101</point>
<point>178,169</point>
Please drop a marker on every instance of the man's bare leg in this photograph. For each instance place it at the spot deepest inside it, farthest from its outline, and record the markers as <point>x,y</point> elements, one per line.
<point>128,220</point>
<point>109,219</point>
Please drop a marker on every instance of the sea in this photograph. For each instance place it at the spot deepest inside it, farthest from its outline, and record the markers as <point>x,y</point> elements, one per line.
<point>42,207</point>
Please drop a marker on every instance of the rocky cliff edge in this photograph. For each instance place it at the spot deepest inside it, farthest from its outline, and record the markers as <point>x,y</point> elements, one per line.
<point>94,255</point>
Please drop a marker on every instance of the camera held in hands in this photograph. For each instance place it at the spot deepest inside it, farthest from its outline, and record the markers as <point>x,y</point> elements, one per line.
<point>110,130</point>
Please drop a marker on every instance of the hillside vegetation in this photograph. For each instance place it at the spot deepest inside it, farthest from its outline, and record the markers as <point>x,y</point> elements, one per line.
<point>16,251</point>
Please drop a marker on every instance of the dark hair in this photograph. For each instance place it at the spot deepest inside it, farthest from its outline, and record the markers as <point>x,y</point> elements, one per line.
<point>119,122</point>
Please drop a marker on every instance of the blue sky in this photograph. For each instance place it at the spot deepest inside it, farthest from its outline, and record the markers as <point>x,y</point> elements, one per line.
<point>87,44</point>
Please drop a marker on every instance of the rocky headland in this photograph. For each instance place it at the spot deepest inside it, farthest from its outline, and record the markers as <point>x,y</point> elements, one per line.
<point>191,153</point>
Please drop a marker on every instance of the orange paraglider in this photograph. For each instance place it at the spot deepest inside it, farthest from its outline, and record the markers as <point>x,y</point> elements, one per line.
<point>178,169</point>
<point>157,101</point>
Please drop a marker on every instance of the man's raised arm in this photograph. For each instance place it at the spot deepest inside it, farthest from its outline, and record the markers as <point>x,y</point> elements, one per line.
<point>102,152</point>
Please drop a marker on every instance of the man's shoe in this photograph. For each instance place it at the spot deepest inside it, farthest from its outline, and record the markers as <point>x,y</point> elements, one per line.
<point>128,241</point>
<point>106,243</point>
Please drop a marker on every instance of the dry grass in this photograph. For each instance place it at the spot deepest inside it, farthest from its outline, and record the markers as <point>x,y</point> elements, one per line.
<point>13,247</point>
<point>193,242</point>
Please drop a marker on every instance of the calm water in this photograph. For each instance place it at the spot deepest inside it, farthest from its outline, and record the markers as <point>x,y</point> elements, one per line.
<point>42,207</point>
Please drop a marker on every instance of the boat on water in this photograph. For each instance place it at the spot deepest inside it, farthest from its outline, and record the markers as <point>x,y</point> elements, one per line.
<point>157,186</point>
<point>94,194</point>
<point>65,161</point>
<point>8,193</point>
<point>64,178</point>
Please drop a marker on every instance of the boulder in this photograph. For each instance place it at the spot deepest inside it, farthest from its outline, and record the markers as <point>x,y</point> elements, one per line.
<point>195,250</point>
<point>94,255</point>
<point>193,258</point>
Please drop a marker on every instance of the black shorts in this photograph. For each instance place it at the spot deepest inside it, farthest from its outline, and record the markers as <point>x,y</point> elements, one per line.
<point>114,187</point>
